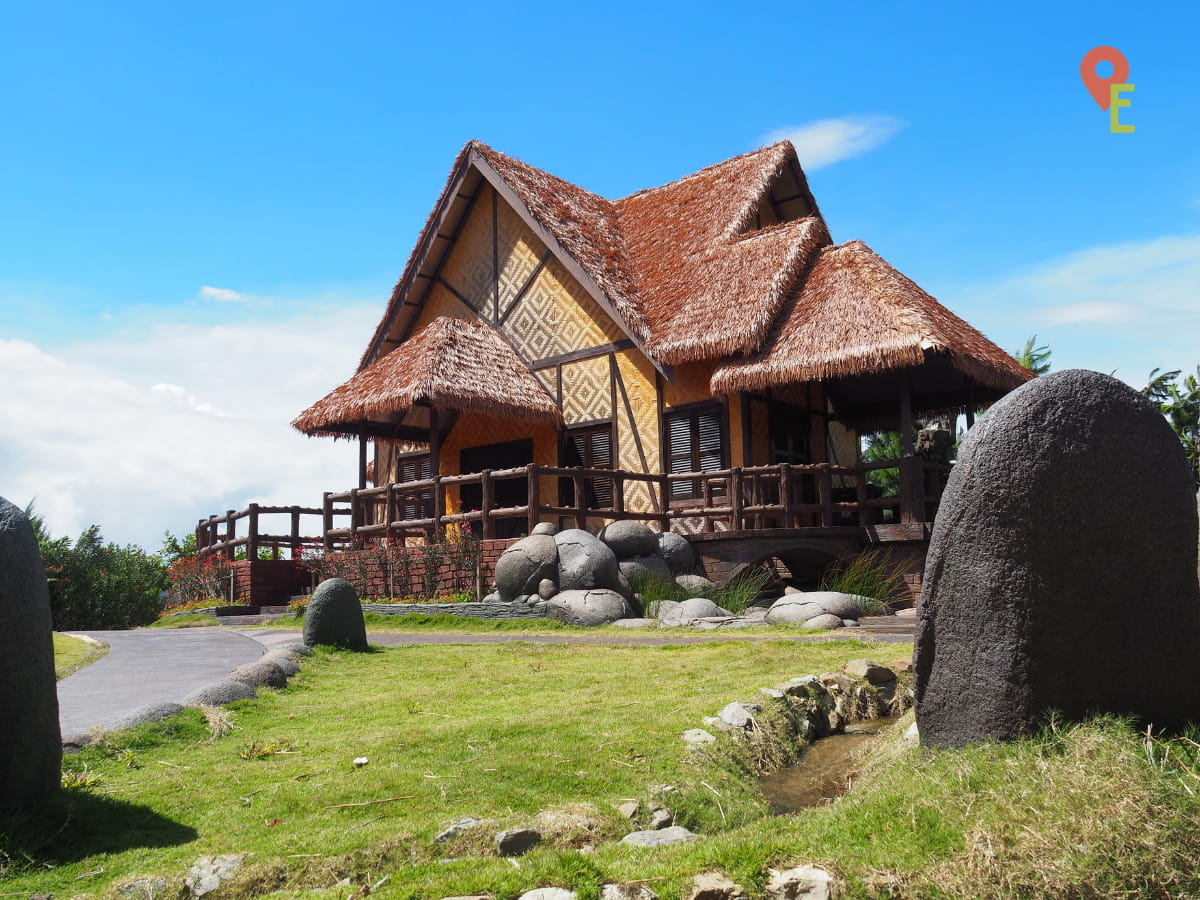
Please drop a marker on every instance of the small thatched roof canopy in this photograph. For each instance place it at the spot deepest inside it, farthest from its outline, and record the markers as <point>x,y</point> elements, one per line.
<point>450,364</point>
<point>855,317</point>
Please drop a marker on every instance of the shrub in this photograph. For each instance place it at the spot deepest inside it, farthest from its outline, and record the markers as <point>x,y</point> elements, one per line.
<point>871,574</point>
<point>197,581</point>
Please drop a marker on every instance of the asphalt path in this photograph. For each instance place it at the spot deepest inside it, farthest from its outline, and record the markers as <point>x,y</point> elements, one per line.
<point>153,666</point>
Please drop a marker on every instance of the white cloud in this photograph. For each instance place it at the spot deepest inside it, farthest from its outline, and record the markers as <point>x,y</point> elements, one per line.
<point>1095,313</point>
<point>828,141</point>
<point>148,433</point>
<point>221,295</point>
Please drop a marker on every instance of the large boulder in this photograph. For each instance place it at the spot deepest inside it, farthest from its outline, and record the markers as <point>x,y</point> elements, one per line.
<point>844,606</point>
<point>696,585</point>
<point>31,751</point>
<point>640,569</point>
<point>584,561</point>
<point>794,608</point>
<point>523,566</point>
<point>335,616</point>
<point>1061,573</point>
<point>597,606</point>
<point>628,538</point>
<point>678,553</point>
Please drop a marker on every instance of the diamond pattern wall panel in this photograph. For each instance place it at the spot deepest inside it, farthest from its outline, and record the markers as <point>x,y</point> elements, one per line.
<point>637,376</point>
<point>469,265</point>
<point>441,302</point>
<point>519,252</point>
<point>557,316</point>
<point>587,395</point>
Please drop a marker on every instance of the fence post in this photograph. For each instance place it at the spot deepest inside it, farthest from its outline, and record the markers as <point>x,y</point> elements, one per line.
<point>389,511</point>
<point>912,489</point>
<point>785,494</point>
<point>735,498</point>
<point>326,520</point>
<point>230,532</point>
<point>619,494</point>
<point>580,513</point>
<point>664,502</point>
<point>295,546</point>
<point>485,505</point>
<point>825,493</point>
<point>533,496</point>
<point>860,494</point>
<point>355,513</point>
<point>252,533</point>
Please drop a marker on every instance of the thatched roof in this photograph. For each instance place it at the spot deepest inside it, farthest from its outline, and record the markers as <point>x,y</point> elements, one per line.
<point>855,315</point>
<point>682,269</point>
<point>450,364</point>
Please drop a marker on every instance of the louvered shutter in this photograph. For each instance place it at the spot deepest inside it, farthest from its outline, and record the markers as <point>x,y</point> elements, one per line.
<point>592,448</point>
<point>416,504</point>
<point>695,443</point>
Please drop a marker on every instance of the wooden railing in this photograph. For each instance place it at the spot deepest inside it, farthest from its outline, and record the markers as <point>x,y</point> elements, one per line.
<point>751,497</point>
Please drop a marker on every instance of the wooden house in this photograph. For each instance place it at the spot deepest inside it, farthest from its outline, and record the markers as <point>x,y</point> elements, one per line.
<point>699,354</point>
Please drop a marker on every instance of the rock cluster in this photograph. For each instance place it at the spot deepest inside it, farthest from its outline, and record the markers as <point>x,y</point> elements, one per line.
<point>585,579</point>
<point>809,707</point>
<point>1061,573</point>
<point>273,669</point>
<point>31,751</point>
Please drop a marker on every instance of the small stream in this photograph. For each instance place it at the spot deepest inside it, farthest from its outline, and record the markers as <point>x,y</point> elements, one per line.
<point>825,770</point>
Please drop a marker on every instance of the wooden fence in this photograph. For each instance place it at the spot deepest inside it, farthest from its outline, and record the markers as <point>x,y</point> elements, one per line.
<point>752,497</point>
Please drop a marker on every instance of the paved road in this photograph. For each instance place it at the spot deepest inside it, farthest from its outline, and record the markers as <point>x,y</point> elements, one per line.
<point>150,666</point>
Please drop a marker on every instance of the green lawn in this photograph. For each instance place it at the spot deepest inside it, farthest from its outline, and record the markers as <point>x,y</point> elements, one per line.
<point>510,731</point>
<point>71,654</point>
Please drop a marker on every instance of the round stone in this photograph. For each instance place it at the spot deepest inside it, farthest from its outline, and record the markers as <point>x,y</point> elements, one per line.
<point>219,693</point>
<point>547,528</point>
<point>695,584</point>
<point>587,607</point>
<point>260,673</point>
<point>640,569</point>
<point>584,561</point>
<point>334,617</point>
<point>824,620</point>
<point>844,606</point>
<point>522,566</point>
<point>793,608</point>
<point>677,552</point>
<point>628,538</point>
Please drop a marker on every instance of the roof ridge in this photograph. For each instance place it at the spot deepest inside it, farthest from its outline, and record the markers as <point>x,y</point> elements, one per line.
<point>780,147</point>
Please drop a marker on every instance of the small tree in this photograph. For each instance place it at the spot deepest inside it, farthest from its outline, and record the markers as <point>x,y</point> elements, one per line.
<point>1034,358</point>
<point>1180,403</point>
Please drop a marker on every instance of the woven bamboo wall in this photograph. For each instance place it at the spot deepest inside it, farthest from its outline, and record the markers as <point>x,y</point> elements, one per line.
<point>557,316</point>
<point>441,302</point>
<point>469,265</point>
<point>587,391</point>
<point>638,445</point>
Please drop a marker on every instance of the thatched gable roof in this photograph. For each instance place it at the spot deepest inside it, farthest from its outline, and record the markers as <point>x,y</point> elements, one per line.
<point>855,315</point>
<point>450,364</point>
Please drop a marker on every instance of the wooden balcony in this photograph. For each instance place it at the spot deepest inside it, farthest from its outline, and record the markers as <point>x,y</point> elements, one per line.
<point>737,499</point>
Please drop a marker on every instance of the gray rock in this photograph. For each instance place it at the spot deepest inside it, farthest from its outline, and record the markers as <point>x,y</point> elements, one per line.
<point>260,673</point>
<point>142,887</point>
<point>289,666</point>
<point>695,584</point>
<point>844,606</point>
<point>547,528</point>
<point>640,569</point>
<point>151,712</point>
<point>517,841</point>
<point>635,623</point>
<point>789,590</point>
<point>851,623</point>
<point>660,817</point>
<point>493,597</point>
<point>629,809</point>
<point>802,883</point>
<point>335,617</point>
<point>626,892</point>
<point>662,837</point>
<point>521,568</point>
<point>1061,573</point>
<point>715,886</point>
<point>208,873</point>
<point>593,607</point>
<point>677,552</point>
<point>31,751</point>
<point>546,589</point>
<point>219,693</point>
<point>455,828</point>
<point>628,538</point>
<point>870,671</point>
<point>793,609</point>
<point>584,561</point>
<point>298,649</point>
<point>549,893</point>
<point>698,737</point>
<point>668,612</point>
<point>825,620</point>
<point>700,608</point>
<point>738,715</point>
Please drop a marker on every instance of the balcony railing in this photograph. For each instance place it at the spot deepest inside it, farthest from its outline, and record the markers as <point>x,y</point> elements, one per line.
<point>820,495</point>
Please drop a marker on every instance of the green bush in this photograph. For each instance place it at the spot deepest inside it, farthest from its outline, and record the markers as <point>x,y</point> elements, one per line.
<point>871,574</point>
<point>95,585</point>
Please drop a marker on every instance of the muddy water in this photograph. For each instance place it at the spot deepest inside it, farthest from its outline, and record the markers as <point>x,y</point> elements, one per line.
<point>825,770</point>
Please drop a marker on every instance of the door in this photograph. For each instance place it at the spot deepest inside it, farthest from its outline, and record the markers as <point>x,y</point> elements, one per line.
<point>509,492</point>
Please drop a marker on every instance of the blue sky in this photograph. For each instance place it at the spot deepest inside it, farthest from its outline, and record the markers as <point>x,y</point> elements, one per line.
<point>203,208</point>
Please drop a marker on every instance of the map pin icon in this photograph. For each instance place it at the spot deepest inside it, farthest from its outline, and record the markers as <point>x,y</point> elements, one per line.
<point>1097,86</point>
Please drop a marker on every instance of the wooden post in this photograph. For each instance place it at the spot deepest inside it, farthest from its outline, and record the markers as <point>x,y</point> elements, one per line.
<point>580,514</point>
<point>295,533</point>
<point>362,458</point>
<point>230,532</point>
<point>326,520</point>
<point>906,420</point>
<point>533,496</point>
<point>485,510</point>
<point>860,495</point>
<point>825,495</point>
<point>435,469</point>
<point>912,489</point>
<point>618,483</point>
<point>785,494</point>
<point>252,535</point>
<point>735,498</point>
<point>390,511</point>
<point>355,519</point>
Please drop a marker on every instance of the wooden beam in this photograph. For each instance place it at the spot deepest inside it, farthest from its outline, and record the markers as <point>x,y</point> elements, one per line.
<point>362,460</point>
<point>465,299</point>
<point>577,355</point>
<point>906,419</point>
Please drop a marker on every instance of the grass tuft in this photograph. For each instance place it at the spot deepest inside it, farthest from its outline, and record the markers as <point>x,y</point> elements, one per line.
<point>871,574</point>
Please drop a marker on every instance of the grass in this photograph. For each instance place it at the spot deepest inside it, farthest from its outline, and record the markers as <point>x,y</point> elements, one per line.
<point>521,733</point>
<point>872,574</point>
<point>72,654</point>
<point>735,594</point>
<point>184,620</point>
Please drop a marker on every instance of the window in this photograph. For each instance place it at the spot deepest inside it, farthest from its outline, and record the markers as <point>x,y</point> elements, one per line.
<point>414,504</point>
<point>589,446</point>
<point>790,430</point>
<point>695,443</point>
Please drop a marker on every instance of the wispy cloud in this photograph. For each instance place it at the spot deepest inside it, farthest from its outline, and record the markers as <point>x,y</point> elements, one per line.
<point>828,141</point>
<point>221,295</point>
<point>142,432</point>
<point>1098,313</point>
